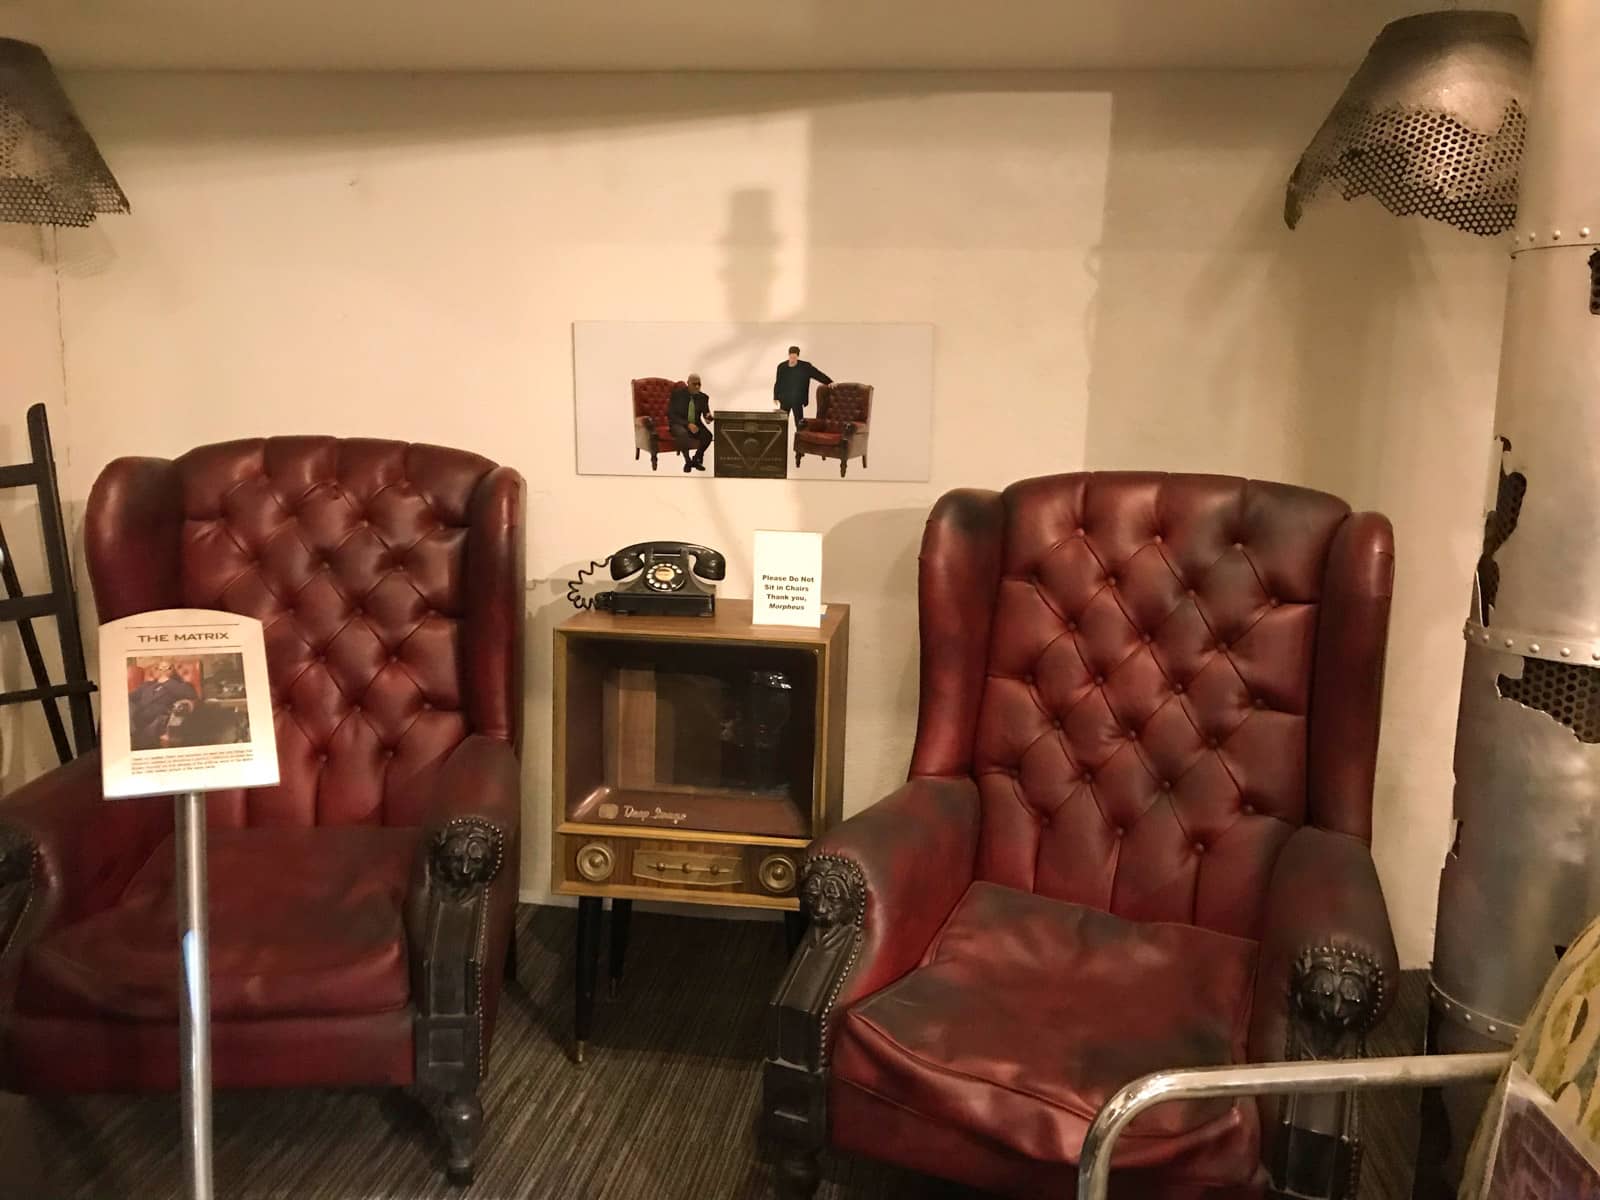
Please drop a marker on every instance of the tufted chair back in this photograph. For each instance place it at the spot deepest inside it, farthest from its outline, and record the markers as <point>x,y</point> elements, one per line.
<point>845,402</point>
<point>1154,680</point>
<point>388,577</point>
<point>650,396</point>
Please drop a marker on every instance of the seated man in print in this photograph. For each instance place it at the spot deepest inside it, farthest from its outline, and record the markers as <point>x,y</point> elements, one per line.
<point>151,705</point>
<point>688,411</point>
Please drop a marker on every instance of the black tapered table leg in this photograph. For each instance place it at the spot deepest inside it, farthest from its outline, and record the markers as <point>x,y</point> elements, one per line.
<point>621,915</point>
<point>589,908</point>
<point>794,928</point>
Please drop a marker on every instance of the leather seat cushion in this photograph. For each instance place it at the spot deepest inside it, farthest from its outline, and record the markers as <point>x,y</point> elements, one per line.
<point>820,437</point>
<point>304,921</point>
<point>1028,1013</point>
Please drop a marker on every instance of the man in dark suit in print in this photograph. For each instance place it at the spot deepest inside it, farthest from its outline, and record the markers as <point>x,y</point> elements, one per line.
<point>791,390</point>
<point>688,411</point>
<point>151,706</point>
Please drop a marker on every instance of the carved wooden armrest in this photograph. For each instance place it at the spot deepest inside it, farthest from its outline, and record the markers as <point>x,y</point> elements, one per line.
<point>466,853</point>
<point>473,802</point>
<point>1337,995</point>
<point>834,894</point>
<point>1326,979</point>
<point>447,920</point>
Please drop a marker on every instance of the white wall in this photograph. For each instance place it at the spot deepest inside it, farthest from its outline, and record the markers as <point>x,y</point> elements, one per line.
<point>1103,258</point>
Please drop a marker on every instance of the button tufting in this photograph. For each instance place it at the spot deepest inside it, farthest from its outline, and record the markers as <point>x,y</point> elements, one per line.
<point>1258,702</point>
<point>1072,627</point>
<point>1078,532</point>
<point>1199,847</point>
<point>1157,539</point>
<point>1118,830</point>
<point>1028,679</point>
<point>1212,742</point>
<point>1222,647</point>
<point>1177,689</point>
<point>322,758</point>
<point>1056,722</point>
<point>1088,776</point>
<point>1249,808</point>
<point>1166,785</point>
<point>1111,581</point>
<point>1099,679</point>
<point>389,753</point>
<point>1238,545</point>
<point>1188,592</point>
<point>1272,601</point>
<point>1146,638</point>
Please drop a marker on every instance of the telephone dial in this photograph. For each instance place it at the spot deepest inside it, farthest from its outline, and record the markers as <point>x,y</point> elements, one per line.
<point>664,581</point>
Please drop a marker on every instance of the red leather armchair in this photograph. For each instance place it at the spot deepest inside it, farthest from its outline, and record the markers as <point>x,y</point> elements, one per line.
<point>360,910</point>
<point>840,428</point>
<point>650,430</point>
<point>1134,837</point>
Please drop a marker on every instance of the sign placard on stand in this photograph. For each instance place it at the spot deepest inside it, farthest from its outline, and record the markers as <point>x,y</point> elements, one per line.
<point>194,716</point>
<point>787,589</point>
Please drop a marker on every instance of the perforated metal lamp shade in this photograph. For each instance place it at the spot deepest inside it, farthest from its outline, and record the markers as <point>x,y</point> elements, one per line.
<point>51,172</point>
<point>1432,123</point>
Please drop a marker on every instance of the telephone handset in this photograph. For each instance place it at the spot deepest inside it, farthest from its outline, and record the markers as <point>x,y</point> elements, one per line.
<point>664,581</point>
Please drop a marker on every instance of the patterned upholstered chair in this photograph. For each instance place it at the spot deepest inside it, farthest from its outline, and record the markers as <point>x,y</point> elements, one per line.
<point>840,428</point>
<point>650,431</point>
<point>1134,837</point>
<point>360,910</point>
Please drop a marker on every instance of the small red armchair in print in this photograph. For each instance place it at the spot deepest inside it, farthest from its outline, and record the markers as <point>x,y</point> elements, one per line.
<point>650,431</point>
<point>840,428</point>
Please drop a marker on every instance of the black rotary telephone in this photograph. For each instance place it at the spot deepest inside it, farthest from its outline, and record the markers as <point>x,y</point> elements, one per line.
<point>664,584</point>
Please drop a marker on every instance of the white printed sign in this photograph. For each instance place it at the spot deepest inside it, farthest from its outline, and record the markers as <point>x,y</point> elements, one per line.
<point>788,582</point>
<point>185,705</point>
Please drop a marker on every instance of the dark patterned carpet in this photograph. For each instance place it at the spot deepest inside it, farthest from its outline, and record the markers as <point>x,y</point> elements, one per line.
<point>665,1107</point>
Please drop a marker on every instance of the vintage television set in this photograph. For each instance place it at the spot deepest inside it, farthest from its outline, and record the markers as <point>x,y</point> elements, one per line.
<point>695,760</point>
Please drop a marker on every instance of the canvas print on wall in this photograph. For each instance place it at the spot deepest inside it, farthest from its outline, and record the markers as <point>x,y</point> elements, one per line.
<point>755,401</point>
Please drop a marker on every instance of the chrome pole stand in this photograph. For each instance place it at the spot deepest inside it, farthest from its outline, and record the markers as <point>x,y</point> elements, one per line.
<point>1418,1070</point>
<point>194,991</point>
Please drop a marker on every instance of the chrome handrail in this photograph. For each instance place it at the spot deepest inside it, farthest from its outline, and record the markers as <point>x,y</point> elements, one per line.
<point>1416,1070</point>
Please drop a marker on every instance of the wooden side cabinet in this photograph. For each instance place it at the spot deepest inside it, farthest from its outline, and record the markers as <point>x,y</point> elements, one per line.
<point>695,759</point>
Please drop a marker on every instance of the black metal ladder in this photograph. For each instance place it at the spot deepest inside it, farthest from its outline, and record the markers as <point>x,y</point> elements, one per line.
<point>60,602</point>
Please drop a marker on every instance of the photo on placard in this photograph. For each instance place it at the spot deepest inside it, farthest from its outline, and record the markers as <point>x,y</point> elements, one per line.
<point>187,700</point>
<point>1541,1149</point>
<point>802,400</point>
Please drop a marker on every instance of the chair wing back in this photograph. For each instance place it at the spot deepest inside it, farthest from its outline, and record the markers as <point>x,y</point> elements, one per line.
<point>388,577</point>
<point>1154,679</point>
<point>845,402</point>
<point>650,396</point>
